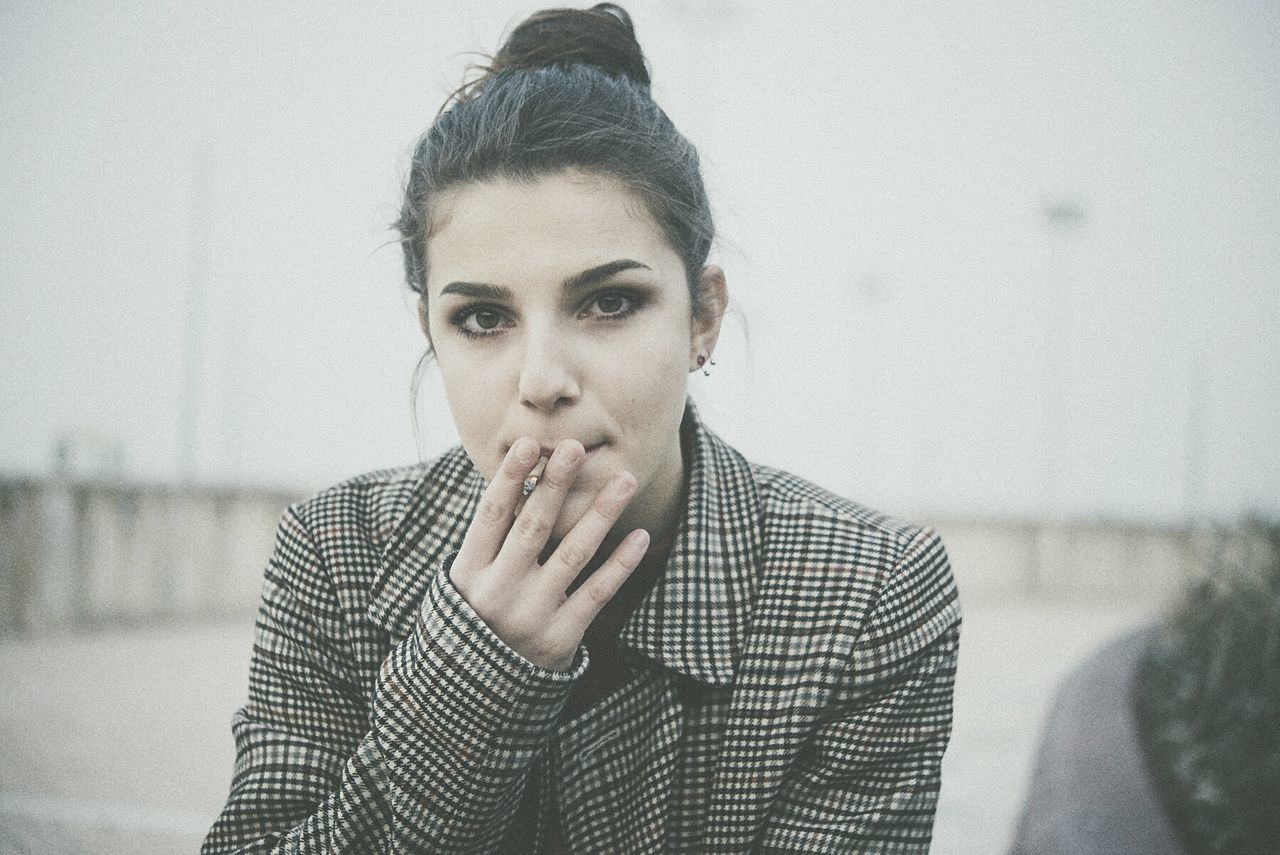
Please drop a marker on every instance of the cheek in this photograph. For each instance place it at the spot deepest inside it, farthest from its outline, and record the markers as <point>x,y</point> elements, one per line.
<point>662,380</point>
<point>648,371</point>
<point>476,413</point>
<point>647,386</point>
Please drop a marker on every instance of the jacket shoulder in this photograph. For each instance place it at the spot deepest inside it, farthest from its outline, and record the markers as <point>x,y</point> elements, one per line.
<point>353,521</point>
<point>372,502</point>
<point>865,573</point>
<point>810,517</point>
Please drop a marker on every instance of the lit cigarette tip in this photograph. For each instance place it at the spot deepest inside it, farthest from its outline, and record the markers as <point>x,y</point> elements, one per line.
<point>531,481</point>
<point>537,469</point>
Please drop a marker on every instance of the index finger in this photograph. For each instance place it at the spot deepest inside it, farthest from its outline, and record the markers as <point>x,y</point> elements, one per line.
<point>494,515</point>
<point>531,529</point>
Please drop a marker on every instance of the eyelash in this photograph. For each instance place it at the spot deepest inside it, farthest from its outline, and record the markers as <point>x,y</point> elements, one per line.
<point>633,303</point>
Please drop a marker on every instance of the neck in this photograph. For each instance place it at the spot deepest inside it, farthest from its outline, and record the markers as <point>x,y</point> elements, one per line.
<point>657,511</point>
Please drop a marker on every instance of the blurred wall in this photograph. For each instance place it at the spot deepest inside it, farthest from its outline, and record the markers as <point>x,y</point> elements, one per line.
<point>79,555</point>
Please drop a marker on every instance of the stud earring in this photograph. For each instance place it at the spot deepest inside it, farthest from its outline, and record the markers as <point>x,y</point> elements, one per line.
<point>706,372</point>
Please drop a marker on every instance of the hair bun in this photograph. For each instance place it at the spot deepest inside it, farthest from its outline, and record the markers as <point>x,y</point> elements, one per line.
<point>602,36</point>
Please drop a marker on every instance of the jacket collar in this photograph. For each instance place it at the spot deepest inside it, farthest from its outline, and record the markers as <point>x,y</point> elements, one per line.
<point>694,619</point>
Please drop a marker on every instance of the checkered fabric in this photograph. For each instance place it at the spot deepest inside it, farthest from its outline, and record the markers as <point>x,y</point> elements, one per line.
<point>790,688</point>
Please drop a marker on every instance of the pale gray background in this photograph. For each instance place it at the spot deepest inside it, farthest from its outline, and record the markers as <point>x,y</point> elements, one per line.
<point>923,335</point>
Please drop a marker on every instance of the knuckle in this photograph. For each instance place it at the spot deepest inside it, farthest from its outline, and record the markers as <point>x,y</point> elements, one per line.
<point>541,651</point>
<point>512,474</point>
<point>490,510</point>
<point>572,554</point>
<point>599,592</point>
<point>557,481</point>
<point>533,527</point>
<point>605,511</point>
<point>538,647</point>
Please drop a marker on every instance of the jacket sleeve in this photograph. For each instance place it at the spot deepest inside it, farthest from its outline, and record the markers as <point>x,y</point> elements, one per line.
<point>435,762</point>
<point>868,778</point>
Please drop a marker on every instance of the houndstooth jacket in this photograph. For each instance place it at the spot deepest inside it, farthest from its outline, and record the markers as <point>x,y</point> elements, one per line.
<point>791,684</point>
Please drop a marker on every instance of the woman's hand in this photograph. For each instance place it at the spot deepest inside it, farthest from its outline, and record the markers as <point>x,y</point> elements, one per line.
<point>497,570</point>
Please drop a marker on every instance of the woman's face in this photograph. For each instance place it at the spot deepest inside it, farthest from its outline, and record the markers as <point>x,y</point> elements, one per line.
<point>557,309</point>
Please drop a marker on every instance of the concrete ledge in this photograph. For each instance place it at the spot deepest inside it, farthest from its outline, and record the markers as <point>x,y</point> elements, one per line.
<point>84,554</point>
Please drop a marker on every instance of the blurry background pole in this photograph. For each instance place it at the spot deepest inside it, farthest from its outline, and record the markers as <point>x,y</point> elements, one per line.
<point>1065,214</point>
<point>201,224</point>
<point>1194,454</point>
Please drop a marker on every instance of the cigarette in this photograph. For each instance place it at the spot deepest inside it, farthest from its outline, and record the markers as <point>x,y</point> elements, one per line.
<point>531,480</point>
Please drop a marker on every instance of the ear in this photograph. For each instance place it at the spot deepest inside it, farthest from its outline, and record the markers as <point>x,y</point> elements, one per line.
<point>706,326</point>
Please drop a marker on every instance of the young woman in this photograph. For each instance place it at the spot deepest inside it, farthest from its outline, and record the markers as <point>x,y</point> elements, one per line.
<point>594,627</point>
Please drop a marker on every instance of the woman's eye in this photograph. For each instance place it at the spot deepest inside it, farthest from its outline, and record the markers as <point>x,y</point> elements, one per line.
<point>613,306</point>
<point>476,323</point>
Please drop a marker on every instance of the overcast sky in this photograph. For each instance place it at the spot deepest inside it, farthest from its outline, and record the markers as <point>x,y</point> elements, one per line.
<point>921,334</point>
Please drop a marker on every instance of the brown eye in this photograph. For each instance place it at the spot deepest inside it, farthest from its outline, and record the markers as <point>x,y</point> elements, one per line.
<point>613,305</point>
<point>480,321</point>
<point>610,304</point>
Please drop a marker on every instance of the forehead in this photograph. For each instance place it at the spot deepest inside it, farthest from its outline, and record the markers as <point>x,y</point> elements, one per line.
<point>513,232</point>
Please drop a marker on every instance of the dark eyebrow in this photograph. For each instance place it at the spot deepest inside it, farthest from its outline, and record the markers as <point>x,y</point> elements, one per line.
<point>479,290</point>
<point>590,277</point>
<point>576,282</point>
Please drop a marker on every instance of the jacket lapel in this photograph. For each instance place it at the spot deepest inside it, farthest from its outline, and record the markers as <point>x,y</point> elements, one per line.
<point>694,622</point>
<point>695,619</point>
<point>432,526</point>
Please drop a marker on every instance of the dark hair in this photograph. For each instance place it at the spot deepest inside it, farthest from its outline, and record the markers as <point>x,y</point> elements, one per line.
<point>1208,701</point>
<point>569,89</point>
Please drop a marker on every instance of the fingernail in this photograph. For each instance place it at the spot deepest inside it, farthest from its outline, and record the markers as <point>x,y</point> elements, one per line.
<point>624,484</point>
<point>525,451</point>
<point>639,539</point>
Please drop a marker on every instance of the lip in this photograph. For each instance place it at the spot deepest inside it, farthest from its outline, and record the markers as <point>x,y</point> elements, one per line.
<point>590,449</point>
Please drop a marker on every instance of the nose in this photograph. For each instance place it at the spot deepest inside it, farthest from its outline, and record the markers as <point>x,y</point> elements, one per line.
<point>548,373</point>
